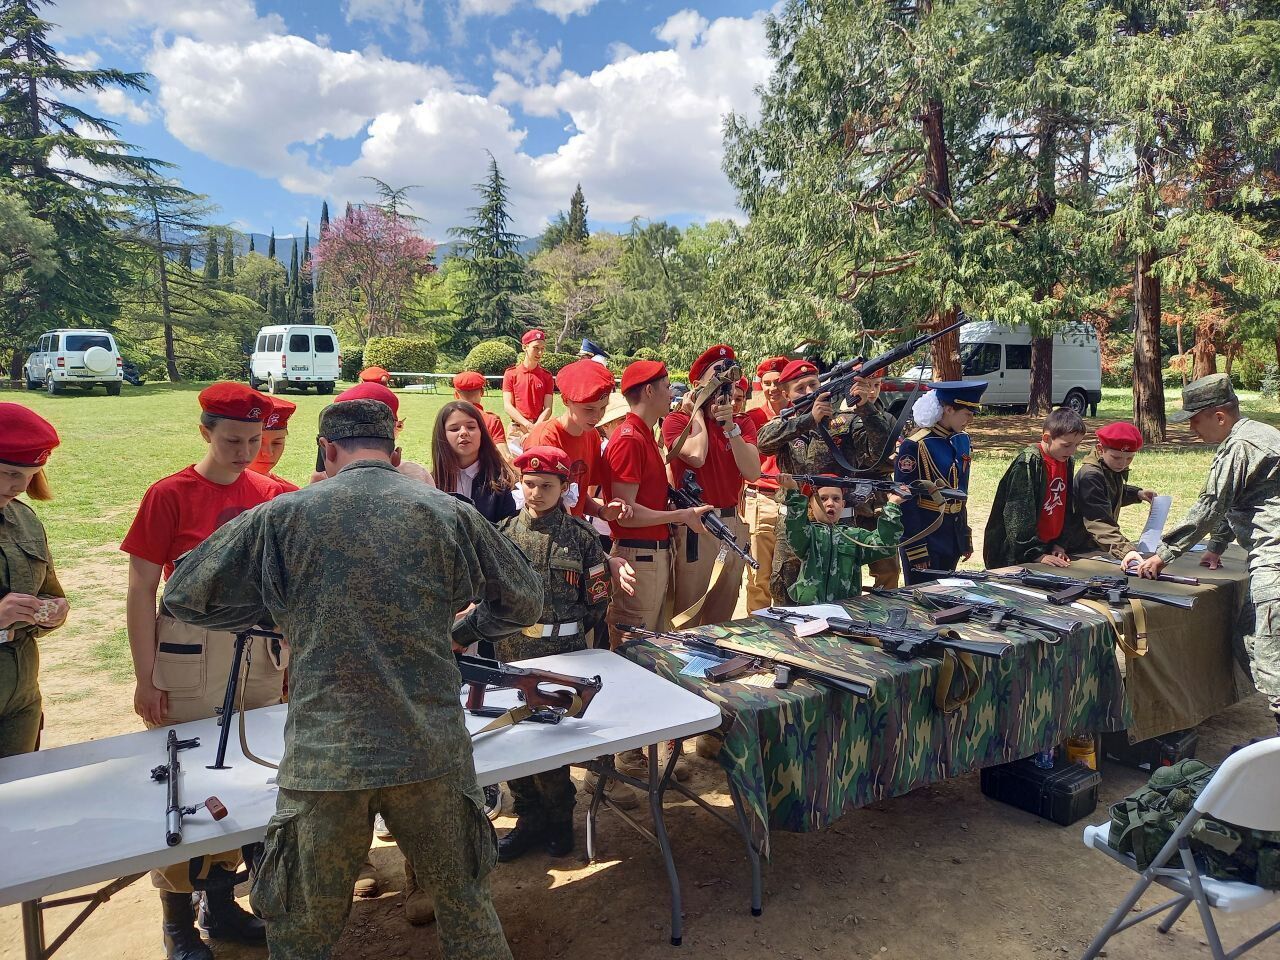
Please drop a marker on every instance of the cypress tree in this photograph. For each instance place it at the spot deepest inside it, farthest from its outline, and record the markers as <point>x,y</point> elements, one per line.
<point>324,218</point>
<point>211,258</point>
<point>251,243</point>
<point>576,229</point>
<point>308,282</point>
<point>228,257</point>
<point>295,284</point>
<point>271,245</point>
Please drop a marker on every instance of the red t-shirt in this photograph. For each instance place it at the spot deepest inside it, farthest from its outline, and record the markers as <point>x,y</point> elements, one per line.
<point>586,465</point>
<point>529,389</point>
<point>286,486</point>
<point>1053,512</point>
<point>632,456</point>
<point>178,513</point>
<point>494,426</point>
<point>719,476</point>
<point>759,417</point>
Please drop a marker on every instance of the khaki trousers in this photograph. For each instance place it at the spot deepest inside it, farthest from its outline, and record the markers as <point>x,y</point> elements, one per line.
<point>762,521</point>
<point>192,666</point>
<point>645,609</point>
<point>693,578</point>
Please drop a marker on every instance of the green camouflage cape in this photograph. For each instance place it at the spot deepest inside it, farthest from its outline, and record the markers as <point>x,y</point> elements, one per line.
<point>800,757</point>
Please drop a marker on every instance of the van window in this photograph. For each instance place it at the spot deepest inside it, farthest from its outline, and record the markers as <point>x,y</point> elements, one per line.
<point>324,343</point>
<point>274,345</point>
<point>85,341</point>
<point>1017,356</point>
<point>299,343</point>
<point>262,343</point>
<point>43,345</point>
<point>979,358</point>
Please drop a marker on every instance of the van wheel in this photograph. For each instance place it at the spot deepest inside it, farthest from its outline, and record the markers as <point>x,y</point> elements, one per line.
<point>113,389</point>
<point>1076,401</point>
<point>274,386</point>
<point>323,388</point>
<point>254,382</point>
<point>32,384</point>
<point>51,386</point>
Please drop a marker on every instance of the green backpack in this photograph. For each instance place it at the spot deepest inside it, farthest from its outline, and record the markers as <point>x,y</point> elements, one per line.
<point>1142,823</point>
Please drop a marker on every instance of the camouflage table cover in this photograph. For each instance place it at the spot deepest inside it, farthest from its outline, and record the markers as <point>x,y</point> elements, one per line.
<point>799,758</point>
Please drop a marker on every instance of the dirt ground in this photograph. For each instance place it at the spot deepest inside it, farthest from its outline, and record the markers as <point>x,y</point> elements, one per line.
<point>942,872</point>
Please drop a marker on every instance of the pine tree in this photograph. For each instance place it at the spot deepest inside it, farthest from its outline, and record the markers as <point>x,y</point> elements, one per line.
<point>576,229</point>
<point>228,258</point>
<point>271,245</point>
<point>70,169</point>
<point>211,258</point>
<point>324,218</point>
<point>495,272</point>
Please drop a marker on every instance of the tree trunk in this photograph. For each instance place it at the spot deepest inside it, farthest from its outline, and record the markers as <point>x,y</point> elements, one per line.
<point>170,355</point>
<point>1148,388</point>
<point>1041,400</point>
<point>16,362</point>
<point>1204,354</point>
<point>946,350</point>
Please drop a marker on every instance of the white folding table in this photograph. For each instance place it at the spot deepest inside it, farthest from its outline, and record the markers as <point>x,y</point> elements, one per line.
<point>90,813</point>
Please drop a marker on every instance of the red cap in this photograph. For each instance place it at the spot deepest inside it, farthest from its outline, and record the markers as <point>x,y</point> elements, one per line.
<point>642,372</point>
<point>544,459</point>
<point>281,411</point>
<point>235,401</point>
<point>742,384</point>
<point>375,375</point>
<point>771,365</point>
<point>533,336</point>
<point>709,356</point>
<point>1120,436</point>
<point>371,391</point>
<point>468,380</point>
<point>26,438</point>
<point>797,369</point>
<point>584,381</point>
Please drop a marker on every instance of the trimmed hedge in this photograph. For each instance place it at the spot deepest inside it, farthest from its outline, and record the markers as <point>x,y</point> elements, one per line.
<point>490,357</point>
<point>555,362</point>
<point>411,354</point>
<point>352,363</point>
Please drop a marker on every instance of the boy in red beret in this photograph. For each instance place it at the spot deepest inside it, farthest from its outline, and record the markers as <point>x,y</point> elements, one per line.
<point>275,431</point>
<point>528,389</point>
<point>376,375</point>
<point>1101,488</point>
<point>761,496</point>
<point>469,386</point>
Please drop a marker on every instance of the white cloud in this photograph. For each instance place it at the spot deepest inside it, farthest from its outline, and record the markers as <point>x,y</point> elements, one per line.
<point>485,8</point>
<point>682,29</point>
<point>392,15</point>
<point>116,103</point>
<point>526,59</point>
<point>215,20</point>
<point>564,9</point>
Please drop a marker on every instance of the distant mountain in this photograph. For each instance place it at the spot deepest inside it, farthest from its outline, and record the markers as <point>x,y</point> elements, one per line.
<point>284,246</point>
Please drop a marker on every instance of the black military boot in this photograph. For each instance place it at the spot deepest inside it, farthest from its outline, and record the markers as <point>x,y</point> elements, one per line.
<point>560,839</point>
<point>221,918</point>
<point>181,941</point>
<point>520,839</point>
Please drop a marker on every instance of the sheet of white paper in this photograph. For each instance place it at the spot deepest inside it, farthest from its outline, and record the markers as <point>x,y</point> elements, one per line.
<point>1199,548</point>
<point>1153,531</point>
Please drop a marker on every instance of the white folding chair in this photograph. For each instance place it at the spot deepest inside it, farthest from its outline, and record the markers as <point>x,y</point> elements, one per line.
<point>1245,792</point>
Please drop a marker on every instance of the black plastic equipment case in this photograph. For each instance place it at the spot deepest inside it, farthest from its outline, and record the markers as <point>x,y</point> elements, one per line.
<point>1065,794</point>
<point>1162,751</point>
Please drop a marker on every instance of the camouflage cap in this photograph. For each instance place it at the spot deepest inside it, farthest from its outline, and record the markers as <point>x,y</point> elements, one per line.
<point>357,418</point>
<point>1211,391</point>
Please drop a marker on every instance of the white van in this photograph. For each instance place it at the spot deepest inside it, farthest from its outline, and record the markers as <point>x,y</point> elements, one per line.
<point>75,358</point>
<point>1002,356</point>
<point>295,355</point>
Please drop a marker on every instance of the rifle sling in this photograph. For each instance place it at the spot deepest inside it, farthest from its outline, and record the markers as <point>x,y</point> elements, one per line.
<point>1131,633</point>
<point>244,739</point>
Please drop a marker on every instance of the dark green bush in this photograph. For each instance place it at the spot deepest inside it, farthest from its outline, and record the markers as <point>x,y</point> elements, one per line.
<point>490,357</point>
<point>408,354</point>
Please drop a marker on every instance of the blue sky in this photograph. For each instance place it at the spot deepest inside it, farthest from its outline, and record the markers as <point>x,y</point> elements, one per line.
<point>269,106</point>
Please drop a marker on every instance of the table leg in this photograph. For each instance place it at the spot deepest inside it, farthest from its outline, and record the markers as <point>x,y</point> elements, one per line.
<point>664,844</point>
<point>757,885</point>
<point>33,930</point>
<point>594,807</point>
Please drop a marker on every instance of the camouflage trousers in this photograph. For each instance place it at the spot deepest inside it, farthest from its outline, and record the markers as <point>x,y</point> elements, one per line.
<point>1262,646</point>
<point>544,797</point>
<point>317,841</point>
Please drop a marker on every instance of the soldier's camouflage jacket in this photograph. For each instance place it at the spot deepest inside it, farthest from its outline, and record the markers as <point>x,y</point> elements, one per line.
<point>799,449</point>
<point>567,556</point>
<point>363,574</point>
<point>832,555</point>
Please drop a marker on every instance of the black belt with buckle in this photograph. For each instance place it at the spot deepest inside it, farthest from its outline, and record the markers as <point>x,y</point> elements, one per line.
<point>645,544</point>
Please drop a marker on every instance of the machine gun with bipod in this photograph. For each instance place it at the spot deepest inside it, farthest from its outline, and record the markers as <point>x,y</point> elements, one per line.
<point>689,496</point>
<point>894,636</point>
<point>951,608</point>
<point>1063,590</point>
<point>170,774</point>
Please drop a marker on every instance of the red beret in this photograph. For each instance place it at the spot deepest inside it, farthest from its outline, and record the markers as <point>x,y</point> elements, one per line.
<point>584,381</point>
<point>235,401</point>
<point>797,369</point>
<point>742,384</point>
<point>281,411</point>
<point>26,438</point>
<point>1120,436</point>
<point>468,380</point>
<point>544,459</point>
<point>642,372</point>
<point>533,336</point>
<point>375,375</point>
<point>709,356</point>
<point>371,391</point>
<point>771,365</point>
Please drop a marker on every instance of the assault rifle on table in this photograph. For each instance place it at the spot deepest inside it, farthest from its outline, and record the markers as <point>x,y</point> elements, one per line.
<point>689,495</point>
<point>540,704</point>
<point>894,636</point>
<point>170,774</point>
<point>739,659</point>
<point>1166,577</point>
<point>864,488</point>
<point>1063,590</point>
<point>959,607</point>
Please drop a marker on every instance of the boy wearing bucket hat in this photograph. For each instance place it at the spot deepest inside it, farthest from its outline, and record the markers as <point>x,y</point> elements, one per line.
<point>1240,501</point>
<point>1101,487</point>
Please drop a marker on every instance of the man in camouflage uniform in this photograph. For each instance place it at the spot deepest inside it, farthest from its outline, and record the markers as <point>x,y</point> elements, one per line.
<point>566,553</point>
<point>1240,501</point>
<point>862,435</point>
<point>375,724</point>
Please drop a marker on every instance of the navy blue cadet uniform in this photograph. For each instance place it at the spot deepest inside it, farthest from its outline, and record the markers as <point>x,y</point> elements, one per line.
<point>941,456</point>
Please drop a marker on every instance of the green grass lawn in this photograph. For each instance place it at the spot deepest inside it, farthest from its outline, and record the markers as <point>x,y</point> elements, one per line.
<point>113,448</point>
